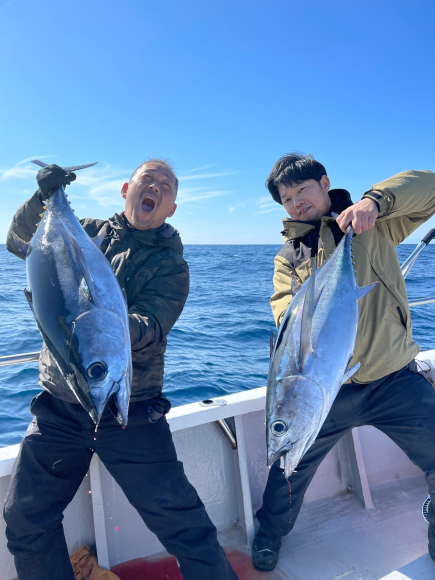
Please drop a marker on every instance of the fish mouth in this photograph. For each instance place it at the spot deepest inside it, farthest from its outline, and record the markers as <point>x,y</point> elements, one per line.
<point>272,457</point>
<point>100,400</point>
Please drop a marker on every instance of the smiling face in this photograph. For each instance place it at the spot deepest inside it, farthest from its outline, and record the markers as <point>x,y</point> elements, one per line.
<point>306,201</point>
<point>150,196</point>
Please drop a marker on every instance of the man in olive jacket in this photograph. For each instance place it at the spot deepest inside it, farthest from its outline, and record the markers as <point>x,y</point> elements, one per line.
<point>386,391</point>
<point>146,255</point>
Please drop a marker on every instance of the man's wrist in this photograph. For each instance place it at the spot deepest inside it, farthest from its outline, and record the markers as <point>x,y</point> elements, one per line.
<point>383,201</point>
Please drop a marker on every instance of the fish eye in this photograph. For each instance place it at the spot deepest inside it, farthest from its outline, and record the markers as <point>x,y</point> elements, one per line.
<point>279,428</point>
<point>96,371</point>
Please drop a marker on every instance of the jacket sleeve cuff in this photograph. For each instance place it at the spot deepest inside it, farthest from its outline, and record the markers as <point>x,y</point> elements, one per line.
<point>383,201</point>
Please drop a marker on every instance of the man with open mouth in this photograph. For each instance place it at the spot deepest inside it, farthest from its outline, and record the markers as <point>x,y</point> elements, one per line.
<point>146,255</point>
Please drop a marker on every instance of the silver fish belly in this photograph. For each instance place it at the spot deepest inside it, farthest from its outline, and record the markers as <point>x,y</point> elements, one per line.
<point>79,309</point>
<point>310,359</point>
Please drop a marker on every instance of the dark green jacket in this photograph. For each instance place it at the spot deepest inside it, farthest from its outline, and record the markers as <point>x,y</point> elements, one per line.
<point>150,266</point>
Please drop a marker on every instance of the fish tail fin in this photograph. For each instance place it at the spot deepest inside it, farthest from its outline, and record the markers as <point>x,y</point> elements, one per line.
<point>306,347</point>
<point>363,290</point>
<point>72,168</point>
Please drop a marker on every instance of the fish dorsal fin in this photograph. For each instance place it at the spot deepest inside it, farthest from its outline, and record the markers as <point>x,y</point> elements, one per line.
<point>23,246</point>
<point>306,347</point>
<point>361,292</point>
<point>99,238</point>
<point>271,342</point>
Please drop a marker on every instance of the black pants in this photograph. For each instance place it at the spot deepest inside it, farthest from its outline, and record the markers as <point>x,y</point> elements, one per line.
<point>401,405</point>
<point>55,456</point>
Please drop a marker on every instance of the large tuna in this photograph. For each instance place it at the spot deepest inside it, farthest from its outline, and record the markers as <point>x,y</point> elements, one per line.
<point>79,308</point>
<point>310,359</point>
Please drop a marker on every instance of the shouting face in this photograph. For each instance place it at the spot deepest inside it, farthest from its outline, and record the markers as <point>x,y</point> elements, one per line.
<point>306,201</point>
<point>150,196</point>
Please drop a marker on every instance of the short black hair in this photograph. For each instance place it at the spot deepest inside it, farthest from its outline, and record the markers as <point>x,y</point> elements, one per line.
<point>291,169</point>
<point>166,163</point>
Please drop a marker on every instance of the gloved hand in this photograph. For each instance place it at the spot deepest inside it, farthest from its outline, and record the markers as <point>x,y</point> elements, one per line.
<point>52,177</point>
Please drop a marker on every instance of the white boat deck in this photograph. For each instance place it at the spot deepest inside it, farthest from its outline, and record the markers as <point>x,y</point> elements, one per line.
<point>335,538</point>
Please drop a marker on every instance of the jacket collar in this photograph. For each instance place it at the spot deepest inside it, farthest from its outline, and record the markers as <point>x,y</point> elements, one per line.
<point>340,200</point>
<point>165,235</point>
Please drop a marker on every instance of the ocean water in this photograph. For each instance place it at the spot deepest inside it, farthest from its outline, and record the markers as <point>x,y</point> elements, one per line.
<point>220,344</point>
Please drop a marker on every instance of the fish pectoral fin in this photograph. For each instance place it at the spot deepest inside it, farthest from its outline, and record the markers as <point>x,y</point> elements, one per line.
<point>79,262</point>
<point>363,290</point>
<point>82,261</point>
<point>23,246</point>
<point>350,371</point>
<point>99,238</point>
<point>77,259</point>
<point>28,295</point>
<point>124,293</point>
<point>306,347</point>
<point>271,342</point>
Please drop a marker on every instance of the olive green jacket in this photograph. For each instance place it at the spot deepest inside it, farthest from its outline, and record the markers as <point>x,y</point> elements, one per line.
<point>384,341</point>
<point>149,265</point>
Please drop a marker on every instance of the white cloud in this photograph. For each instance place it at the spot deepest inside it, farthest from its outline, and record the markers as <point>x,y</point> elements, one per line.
<point>36,157</point>
<point>264,199</point>
<point>103,184</point>
<point>267,204</point>
<point>270,209</point>
<point>187,195</point>
<point>240,204</point>
<point>200,168</point>
<point>205,175</point>
<point>17,173</point>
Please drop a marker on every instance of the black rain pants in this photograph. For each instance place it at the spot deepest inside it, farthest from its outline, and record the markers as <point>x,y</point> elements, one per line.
<point>401,405</point>
<point>55,456</point>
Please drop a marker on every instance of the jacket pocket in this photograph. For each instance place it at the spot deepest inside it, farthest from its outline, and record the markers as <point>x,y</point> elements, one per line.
<point>402,320</point>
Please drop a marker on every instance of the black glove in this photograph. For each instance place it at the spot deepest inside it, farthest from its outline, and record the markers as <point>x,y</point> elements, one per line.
<point>52,177</point>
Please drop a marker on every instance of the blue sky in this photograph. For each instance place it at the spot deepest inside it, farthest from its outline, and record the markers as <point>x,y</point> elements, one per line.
<point>223,89</point>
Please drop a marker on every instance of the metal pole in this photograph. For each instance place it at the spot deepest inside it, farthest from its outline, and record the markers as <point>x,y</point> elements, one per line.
<point>421,301</point>
<point>226,430</point>
<point>410,260</point>
<point>16,359</point>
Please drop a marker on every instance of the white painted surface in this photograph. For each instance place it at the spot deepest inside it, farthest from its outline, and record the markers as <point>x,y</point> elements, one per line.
<point>383,460</point>
<point>98,512</point>
<point>244,479</point>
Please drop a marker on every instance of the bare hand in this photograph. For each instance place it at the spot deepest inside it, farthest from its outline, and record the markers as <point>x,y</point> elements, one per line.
<point>362,215</point>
